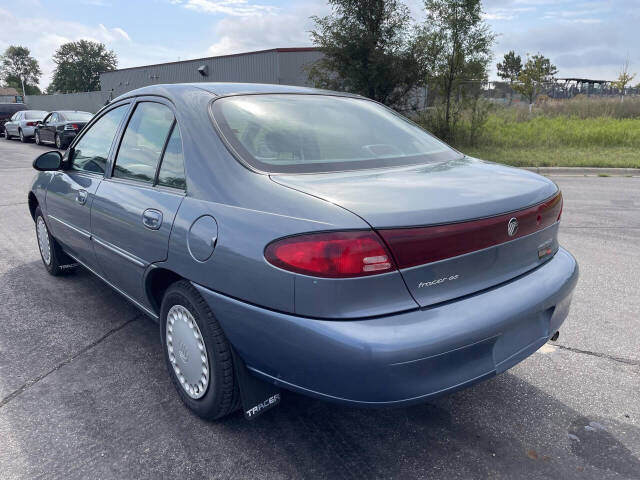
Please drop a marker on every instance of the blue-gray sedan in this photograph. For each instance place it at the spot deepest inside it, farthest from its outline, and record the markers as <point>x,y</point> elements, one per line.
<point>310,240</point>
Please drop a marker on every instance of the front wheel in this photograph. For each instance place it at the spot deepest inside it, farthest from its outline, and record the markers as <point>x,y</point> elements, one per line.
<point>55,260</point>
<point>6,134</point>
<point>197,353</point>
<point>37,137</point>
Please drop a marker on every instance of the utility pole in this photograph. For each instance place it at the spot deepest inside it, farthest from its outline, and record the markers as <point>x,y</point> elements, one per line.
<point>24,93</point>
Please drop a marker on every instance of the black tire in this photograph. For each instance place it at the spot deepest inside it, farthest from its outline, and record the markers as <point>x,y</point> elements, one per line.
<point>59,262</point>
<point>23,139</point>
<point>6,135</point>
<point>37,137</point>
<point>59,143</point>
<point>222,395</point>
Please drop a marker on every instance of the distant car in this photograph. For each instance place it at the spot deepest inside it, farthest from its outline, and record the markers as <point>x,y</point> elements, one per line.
<point>22,124</point>
<point>310,240</point>
<point>61,127</point>
<point>7,110</point>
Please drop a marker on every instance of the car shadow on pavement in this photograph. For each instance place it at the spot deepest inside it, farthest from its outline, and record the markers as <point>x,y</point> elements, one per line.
<point>105,408</point>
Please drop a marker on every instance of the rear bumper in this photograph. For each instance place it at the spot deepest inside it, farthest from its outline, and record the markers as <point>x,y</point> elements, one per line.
<point>407,357</point>
<point>28,131</point>
<point>68,136</point>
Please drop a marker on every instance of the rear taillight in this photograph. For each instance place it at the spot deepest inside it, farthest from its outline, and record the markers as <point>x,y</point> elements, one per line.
<point>71,126</point>
<point>561,205</point>
<point>31,124</point>
<point>418,246</point>
<point>332,254</point>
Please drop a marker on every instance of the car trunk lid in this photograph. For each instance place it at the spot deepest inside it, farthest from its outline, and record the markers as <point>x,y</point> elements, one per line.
<point>448,224</point>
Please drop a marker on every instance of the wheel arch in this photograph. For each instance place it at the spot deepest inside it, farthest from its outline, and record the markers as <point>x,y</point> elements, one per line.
<point>33,204</point>
<point>157,281</point>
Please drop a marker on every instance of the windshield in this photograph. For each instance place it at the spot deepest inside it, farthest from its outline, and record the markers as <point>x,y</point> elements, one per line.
<point>78,116</point>
<point>34,115</point>
<point>297,133</point>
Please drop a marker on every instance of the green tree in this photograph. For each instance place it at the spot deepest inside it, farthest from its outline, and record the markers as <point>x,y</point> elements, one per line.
<point>17,66</point>
<point>537,71</point>
<point>78,66</point>
<point>456,51</point>
<point>368,48</point>
<point>509,69</point>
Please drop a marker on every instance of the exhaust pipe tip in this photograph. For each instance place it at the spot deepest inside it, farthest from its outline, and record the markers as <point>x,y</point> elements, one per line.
<point>555,336</point>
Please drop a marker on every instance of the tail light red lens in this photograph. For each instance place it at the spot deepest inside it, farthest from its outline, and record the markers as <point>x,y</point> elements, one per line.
<point>75,127</point>
<point>31,124</point>
<point>331,255</point>
<point>418,246</point>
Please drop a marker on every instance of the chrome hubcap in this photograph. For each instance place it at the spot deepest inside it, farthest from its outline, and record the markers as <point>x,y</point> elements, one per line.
<point>187,352</point>
<point>58,142</point>
<point>37,137</point>
<point>43,240</point>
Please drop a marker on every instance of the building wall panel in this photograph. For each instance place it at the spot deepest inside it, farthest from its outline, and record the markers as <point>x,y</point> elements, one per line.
<point>253,68</point>
<point>87,102</point>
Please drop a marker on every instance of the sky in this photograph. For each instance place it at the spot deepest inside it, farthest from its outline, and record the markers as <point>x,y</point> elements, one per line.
<point>589,39</point>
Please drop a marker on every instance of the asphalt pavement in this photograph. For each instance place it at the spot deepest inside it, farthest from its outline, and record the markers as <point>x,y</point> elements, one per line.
<point>84,392</point>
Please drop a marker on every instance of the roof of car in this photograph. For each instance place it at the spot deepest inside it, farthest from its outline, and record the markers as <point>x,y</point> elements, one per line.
<point>223,89</point>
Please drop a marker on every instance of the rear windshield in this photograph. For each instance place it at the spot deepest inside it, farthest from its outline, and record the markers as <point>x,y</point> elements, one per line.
<point>34,115</point>
<point>77,116</point>
<point>298,133</point>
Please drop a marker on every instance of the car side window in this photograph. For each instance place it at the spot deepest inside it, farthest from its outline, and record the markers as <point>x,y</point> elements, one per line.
<point>143,141</point>
<point>47,119</point>
<point>54,118</point>
<point>91,152</point>
<point>171,172</point>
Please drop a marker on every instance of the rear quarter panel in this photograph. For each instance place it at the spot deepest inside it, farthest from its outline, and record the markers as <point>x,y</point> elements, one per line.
<point>237,267</point>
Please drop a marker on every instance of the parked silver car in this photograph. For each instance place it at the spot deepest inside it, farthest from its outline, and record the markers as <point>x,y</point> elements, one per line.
<point>22,124</point>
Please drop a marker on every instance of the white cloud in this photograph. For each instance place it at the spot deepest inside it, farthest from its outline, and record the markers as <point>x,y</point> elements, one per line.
<point>42,36</point>
<point>260,32</point>
<point>112,34</point>
<point>240,8</point>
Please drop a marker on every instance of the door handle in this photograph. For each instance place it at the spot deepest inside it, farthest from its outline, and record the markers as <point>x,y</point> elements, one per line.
<point>81,196</point>
<point>152,218</point>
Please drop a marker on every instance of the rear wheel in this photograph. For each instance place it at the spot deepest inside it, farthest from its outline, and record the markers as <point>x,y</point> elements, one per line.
<point>59,143</point>
<point>197,353</point>
<point>23,139</point>
<point>55,260</point>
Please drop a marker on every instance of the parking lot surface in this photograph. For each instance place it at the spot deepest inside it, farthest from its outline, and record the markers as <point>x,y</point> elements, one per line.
<point>84,392</point>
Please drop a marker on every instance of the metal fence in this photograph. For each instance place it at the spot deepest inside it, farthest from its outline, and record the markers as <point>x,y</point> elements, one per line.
<point>560,89</point>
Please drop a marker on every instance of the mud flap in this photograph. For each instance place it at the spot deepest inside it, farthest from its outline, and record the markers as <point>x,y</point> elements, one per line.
<point>256,396</point>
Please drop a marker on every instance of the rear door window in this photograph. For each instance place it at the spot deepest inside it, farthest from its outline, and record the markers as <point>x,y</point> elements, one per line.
<point>143,142</point>
<point>171,172</point>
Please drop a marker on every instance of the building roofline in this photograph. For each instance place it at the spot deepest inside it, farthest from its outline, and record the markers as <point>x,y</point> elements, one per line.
<point>269,50</point>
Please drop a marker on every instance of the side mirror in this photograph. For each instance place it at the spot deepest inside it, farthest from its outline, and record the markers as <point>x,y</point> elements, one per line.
<point>48,162</point>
